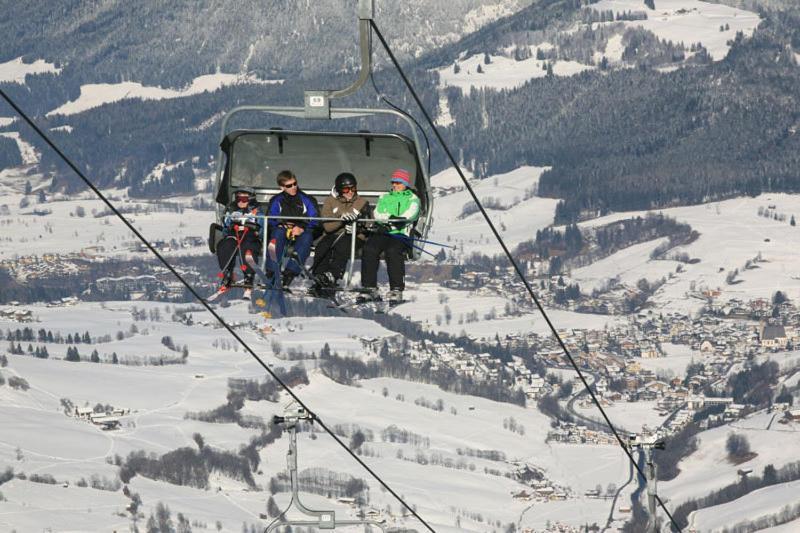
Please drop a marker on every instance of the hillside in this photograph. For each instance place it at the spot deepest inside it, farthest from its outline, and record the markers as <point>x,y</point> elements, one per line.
<point>169,44</point>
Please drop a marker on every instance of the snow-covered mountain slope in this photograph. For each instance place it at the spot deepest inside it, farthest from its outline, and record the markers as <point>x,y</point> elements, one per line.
<point>170,44</point>
<point>15,70</point>
<point>681,22</point>
<point>159,397</point>
<point>689,21</point>
<point>511,202</point>
<point>97,94</point>
<point>731,233</point>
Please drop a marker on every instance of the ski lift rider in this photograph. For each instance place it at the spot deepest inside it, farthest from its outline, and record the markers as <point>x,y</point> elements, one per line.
<point>333,249</point>
<point>393,238</point>
<point>291,202</point>
<point>243,230</point>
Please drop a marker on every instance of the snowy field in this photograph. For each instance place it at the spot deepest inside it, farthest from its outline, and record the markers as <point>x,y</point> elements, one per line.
<point>760,503</point>
<point>731,233</point>
<point>59,229</point>
<point>631,416</point>
<point>516,219</point>
<point>502,72</point>
<point>678,357</point>
<point>708,468</point>
<point>688,21</point>
<point>429,303</point>
<point>96,94</point>
<point>14,71</point>
<point>159,397</point>
<point>679,21</point>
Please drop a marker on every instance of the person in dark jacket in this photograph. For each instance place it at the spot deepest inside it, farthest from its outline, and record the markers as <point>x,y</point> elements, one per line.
<point>333,250</point>
<point>291,202</point>
<point>243,230</point>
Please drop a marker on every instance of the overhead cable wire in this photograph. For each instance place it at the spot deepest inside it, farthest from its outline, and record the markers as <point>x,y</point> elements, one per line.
<point>205,304</point>
<point>513,262</point>
<point>383,97</point>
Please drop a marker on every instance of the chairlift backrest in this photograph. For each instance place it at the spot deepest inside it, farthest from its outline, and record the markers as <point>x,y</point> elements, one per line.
<point>255,157</point>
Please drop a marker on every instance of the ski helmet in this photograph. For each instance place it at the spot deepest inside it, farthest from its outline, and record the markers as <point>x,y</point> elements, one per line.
<point>345,179</point>
<point>244,192</point>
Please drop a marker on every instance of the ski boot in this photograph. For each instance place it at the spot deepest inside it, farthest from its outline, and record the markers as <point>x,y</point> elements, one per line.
<point>287,278</point>
<point>394,297</point>
<point>324,286</point>
<point>249,280</point>
<point>370,294</point>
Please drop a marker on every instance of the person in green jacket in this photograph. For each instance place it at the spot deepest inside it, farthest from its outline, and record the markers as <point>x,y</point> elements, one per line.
<point>395,212</point>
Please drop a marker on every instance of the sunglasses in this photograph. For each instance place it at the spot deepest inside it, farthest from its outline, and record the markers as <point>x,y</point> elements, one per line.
<point>347,189</point>
<point>289,185</point>
<point>242,198</point>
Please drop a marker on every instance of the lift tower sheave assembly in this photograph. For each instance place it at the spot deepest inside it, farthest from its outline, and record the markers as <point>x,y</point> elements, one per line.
<point>646,444</point>
<point>294,415</point>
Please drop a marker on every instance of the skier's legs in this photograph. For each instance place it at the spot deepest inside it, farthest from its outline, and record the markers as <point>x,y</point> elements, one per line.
<point>340,256</point>
<point>226,249</point>
<point>396,263</point>
<point>279,237</point>
<point>322,254</point>
<point>369,260</point>
<point>302,246</point>
<point>250,243</point>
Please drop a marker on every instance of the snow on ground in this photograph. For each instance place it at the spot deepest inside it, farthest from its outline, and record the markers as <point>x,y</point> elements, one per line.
<point>41,507</point>
<point>449,179</point>
<point>708,468</point>
<point>160,396</point>
<point>26,150</point>
<point>760,503</point>
<point>477,425</point>
<point>503,72</point>
<point>789,527</point>
<point>680,21</point>
<point>445,118</point>
<point>63,232</point>
<point>426,307</point>
<point>629,415</point>
<point>629,264</point>
<point>614,49</point>
<point>340,333</point>
<point>517,221</point>
<point>689,21</point>
<point>97,94</point>
<point>476,18</point>
<point>14,71</point>
<point>678,357</point>
<point>731,233</point>
<point>5,121</point>
<point>785,360</point>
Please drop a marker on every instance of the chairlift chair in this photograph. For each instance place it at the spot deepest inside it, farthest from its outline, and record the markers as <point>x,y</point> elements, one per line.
<point>252,158</point>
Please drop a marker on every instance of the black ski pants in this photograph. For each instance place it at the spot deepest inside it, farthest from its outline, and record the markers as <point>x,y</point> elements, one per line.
<point>332,253</point>
<point>394,250</point>
<point>227,252</point>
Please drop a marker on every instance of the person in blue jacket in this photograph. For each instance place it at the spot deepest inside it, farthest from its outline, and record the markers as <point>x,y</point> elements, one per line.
<point>291,202</point>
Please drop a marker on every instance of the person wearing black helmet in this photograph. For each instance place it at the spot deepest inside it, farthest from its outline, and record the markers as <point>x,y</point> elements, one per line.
<point>243,230</point>
<point>333,250</point>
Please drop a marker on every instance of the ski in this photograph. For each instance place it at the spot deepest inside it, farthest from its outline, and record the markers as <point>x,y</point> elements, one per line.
<point>219,292</point>
<point>273,285</point>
